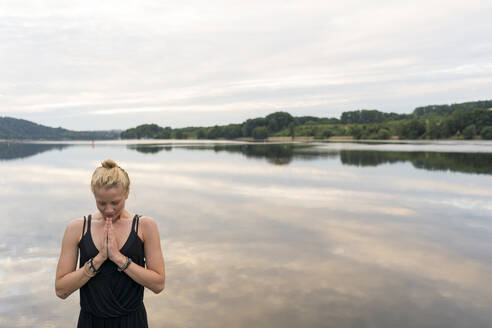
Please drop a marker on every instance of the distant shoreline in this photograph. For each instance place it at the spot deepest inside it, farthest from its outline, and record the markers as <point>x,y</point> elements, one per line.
<point>241,140</point>
<point>465,121</point>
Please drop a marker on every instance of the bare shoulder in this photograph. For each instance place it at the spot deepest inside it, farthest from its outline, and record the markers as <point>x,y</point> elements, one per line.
<point>147,223</point>
<point>75,224</point>
<point>74,229</point>
<point>148,227</point>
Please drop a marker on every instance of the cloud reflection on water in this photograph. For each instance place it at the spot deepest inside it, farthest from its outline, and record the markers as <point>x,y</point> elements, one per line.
<point>250,244</point>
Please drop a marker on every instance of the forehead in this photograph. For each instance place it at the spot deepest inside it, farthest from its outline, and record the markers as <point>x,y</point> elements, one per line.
<point>108,194</point>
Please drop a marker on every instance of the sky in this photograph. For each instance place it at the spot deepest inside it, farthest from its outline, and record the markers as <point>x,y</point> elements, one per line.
<point>97,65</point>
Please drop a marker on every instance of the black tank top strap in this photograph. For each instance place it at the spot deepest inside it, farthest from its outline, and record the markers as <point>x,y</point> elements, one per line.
<point>89,217</point>
<point>83,227</point>
<point>138,220</point>
<point>134,222</point>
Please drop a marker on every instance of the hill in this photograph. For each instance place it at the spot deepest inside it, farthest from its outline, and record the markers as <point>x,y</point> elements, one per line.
<point>469,120</point>
<point>18,129</point>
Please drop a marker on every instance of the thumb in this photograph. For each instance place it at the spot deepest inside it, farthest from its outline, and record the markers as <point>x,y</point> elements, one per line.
<point>106,235</point>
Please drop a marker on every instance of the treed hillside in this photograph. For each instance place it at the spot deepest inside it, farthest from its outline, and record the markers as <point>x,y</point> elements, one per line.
<point>469,120</point>
<point>371,116</point>
<point>13,128</point>
<point>434,110</point>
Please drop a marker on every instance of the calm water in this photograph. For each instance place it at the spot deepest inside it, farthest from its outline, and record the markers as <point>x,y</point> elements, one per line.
<point>254,235</point>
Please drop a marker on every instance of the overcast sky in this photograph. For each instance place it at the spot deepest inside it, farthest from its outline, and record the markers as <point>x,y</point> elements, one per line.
<point>116,64</point>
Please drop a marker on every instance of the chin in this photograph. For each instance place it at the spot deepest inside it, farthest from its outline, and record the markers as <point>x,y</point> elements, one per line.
<point>113,217</point>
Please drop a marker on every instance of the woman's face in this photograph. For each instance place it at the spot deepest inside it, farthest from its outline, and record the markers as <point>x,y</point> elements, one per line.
<point>110,201</point>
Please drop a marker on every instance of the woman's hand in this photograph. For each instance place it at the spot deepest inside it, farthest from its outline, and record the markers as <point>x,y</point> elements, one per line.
<point>112,245</point>
<point>102,256</point>
<point>103,247</point>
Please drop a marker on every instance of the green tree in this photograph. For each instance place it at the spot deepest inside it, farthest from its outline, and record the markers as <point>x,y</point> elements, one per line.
<point>260,132</point>
<point>292,128</point>
<point>486,133</point>
<point>248,126</point>
<point>278,121</point>
<point>412,129</point>
<point>232,131</point>
<point>470,132</point>
<point>164,133</point>
<point>383,134</point>
<point>326,134</point>
<point>355,131</point>
<point>445,130</point>
<point>432,129</point>
<point>178,134</point>
<point>201,134</point>
<point>214,132</point>
<point>129,134</point>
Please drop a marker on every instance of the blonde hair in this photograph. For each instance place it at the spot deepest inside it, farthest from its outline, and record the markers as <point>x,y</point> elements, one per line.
<point>109,175</point>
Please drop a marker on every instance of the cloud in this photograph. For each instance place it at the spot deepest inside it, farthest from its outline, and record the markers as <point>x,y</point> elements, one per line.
<point>251,244</point>
<point>228,58</point>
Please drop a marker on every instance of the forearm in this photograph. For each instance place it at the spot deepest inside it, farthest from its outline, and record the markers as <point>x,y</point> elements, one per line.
<point>144,276</point>
<point>72,281</point>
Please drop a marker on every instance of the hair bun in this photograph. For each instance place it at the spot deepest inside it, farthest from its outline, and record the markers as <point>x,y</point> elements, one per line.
<point>109,164</point>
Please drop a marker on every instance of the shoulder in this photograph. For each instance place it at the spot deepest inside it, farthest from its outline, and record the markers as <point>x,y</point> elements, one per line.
<point>148,226</point>
<point>73,232</point>
<point>76,224</point>
<point>147,223</point>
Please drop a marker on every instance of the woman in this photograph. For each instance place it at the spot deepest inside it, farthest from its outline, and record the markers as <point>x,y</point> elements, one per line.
<point>120,254</point>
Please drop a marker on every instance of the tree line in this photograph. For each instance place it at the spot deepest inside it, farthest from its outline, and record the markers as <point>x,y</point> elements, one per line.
<point>461,121</point>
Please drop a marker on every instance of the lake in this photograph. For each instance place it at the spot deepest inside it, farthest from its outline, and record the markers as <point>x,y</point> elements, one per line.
<point>267,235</point>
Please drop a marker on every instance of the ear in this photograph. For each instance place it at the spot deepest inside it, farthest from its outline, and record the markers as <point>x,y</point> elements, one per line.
<point>126,195</point>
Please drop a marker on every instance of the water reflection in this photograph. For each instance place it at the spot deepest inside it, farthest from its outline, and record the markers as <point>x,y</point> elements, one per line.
<point>480,163</point>
<point>279,154</point>
<point>309,244</point>
<point>14,150</point>
<point>150,149</point>
<point>282,154</point>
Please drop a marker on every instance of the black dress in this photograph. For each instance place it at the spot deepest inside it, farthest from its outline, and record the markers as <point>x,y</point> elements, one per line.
<point>111,298</point>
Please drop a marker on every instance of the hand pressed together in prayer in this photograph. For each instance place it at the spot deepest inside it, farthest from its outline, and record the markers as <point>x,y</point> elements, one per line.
<point>108,247</point>
<point>113,249</point>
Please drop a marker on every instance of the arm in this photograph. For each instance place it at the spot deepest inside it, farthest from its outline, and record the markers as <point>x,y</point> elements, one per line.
<point>68,279</point>
<point>153,277</point>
